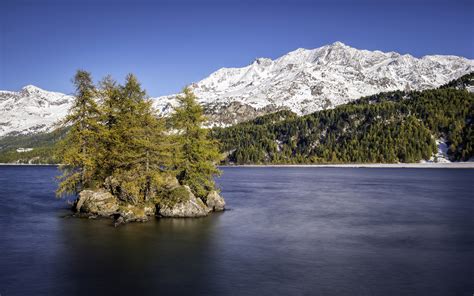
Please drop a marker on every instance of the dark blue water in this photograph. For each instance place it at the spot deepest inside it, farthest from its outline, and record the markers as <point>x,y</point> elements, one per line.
<point>290,231</point>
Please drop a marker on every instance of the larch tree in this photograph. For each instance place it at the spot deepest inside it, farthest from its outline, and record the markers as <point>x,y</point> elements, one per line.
<point>196,154</point>
<point>79,149</point>
<point>110,99</point>
<point>137,139</point>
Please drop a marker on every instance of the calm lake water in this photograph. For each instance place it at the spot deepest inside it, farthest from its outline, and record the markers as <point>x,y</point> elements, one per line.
<point>289,231</point>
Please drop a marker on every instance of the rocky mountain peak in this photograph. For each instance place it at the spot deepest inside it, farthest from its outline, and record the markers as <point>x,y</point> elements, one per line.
<point>31,89</point>
<point>338,44</point>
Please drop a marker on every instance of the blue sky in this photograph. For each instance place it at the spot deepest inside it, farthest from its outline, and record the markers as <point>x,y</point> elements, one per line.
<point>171,44</point>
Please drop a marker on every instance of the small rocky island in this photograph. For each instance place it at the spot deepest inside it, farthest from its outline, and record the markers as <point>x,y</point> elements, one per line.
<point>181,203</point>
<point>122,161</point>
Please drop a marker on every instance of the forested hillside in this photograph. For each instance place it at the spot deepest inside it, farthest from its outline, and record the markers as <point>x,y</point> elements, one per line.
<point>388,127</point>
<point>41,144</point>
<point>462,82</point>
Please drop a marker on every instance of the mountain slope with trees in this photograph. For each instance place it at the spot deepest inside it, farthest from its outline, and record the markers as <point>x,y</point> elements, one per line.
<point>42,145</point>
<point>387,128</point>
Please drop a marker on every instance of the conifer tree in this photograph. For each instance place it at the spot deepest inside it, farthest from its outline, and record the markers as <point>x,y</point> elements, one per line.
<point>110,100</point>
<point>78,150</point>
<point>136,139</point>
<point>195,153</point>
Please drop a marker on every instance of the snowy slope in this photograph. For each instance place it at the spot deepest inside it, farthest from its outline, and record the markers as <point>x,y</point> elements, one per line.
<point>31,110</point>
<point>304,81</point>
<point>307,80</point>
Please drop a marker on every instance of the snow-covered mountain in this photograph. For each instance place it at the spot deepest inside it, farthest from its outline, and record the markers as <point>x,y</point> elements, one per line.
<point>31,110</point>
<point>304,81</point>
<point>307,80</point>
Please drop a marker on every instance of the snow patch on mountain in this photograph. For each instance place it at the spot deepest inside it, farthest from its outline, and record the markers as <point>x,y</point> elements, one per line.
<point>441,155</point>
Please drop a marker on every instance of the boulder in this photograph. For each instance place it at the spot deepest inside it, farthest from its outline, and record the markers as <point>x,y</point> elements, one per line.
<point>131,213</point>
<point>99,202</point>
<point>215,202</point>
<point>188,207</point>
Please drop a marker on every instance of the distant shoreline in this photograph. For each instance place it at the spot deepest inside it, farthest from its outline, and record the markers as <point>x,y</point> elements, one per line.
<point>449,165</point>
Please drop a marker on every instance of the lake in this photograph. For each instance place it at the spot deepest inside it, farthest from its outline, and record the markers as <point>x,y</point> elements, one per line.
<point>288,231</point>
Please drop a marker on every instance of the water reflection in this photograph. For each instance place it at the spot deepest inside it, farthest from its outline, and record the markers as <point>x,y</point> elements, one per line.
<point>162,256</point>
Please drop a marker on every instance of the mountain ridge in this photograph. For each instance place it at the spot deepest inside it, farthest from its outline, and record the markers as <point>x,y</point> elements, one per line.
<point>308,80</point>
<point>302,81</point>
